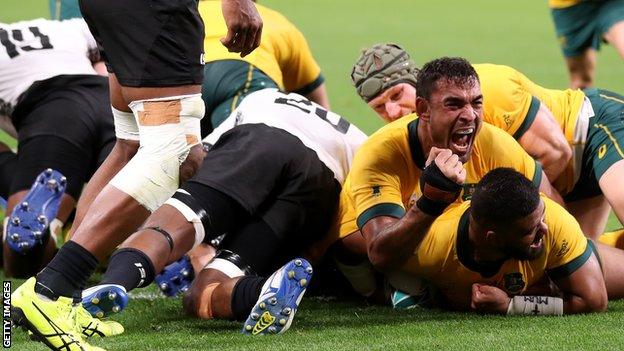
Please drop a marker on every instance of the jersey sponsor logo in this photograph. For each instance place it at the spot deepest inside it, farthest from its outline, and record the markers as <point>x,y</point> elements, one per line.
<point>376,190</point>
<point>602,151</point>
<point>565,247</point>
<point>508,120</point>
<point>514,282</point>
<point>467,191</point>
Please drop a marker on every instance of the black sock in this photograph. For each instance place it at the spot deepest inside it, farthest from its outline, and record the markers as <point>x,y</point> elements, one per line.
<point>67,273</point>
<point>245,294</point>
<point>130,268</point>
<point>8,163</point>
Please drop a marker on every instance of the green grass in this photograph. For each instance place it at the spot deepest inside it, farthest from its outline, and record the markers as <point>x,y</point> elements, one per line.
<point>517,33</point>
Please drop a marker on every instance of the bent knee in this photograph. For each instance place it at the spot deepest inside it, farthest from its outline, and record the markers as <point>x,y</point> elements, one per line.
<point>191,164</point>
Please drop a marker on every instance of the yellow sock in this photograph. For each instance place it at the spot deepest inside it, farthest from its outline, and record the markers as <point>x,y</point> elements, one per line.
<point>615,239</point>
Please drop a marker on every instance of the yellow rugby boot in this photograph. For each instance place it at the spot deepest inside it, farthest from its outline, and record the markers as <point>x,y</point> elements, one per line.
<point>90,326</point>
<point>51,322</point>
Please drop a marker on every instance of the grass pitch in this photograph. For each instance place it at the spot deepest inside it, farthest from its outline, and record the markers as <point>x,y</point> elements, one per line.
<point>517,33</point>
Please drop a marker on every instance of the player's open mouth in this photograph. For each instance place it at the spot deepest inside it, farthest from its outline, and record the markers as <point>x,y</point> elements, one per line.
<point>537,243</point>
<point>461,140</point>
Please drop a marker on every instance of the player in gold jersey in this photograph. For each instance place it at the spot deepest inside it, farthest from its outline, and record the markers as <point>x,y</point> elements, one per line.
<point>490,254</point>
<point>283,60</point>
<point>581,26</point>
<point>574,134</point>
<point>380,217</point>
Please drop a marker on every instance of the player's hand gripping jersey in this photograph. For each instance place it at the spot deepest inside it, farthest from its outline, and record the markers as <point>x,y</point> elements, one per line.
<point>442,257</point>
<point>40,49</point>
<point>333,138</point>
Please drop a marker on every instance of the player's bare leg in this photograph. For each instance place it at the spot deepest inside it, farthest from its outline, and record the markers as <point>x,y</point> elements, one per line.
<point>592,215</point>
<point>615,37</point>
<point>210,295</point>
<point>610,184</point>
<point>582,69</point>
<point>120,155</point>
<point>611,259</point>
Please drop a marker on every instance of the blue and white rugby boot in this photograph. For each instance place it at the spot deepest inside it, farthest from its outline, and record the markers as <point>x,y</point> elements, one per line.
<point>28,224</point>
<point>176,278</point>
<point>280,296</point>
<point>103,300</point>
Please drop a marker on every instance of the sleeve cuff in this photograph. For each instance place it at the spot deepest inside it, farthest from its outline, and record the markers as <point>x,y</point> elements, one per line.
<point>528,119</point>
<point>308,88</point>
<point>385,209</point>
<point>537,175</point>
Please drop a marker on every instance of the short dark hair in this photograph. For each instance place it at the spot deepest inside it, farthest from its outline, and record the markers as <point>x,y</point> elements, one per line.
<point>455,69</point>
<point>502,196</point>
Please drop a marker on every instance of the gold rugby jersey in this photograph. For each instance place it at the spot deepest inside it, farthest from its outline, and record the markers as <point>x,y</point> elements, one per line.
<point>443,257</point>
<point>511,101</point>
<point>283,54</point>
<point>384,177</point>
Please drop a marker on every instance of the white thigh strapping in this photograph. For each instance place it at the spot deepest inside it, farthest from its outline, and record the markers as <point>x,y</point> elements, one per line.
<point>168,128</point>
<point>125,125</point>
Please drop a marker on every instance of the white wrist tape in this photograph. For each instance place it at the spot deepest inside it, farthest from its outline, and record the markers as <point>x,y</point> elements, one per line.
<point>168,128</point>
<point>125,125</point>
<point>535,305</point>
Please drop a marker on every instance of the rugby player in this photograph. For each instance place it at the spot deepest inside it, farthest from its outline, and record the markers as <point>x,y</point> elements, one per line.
<point>155,74</point>
<point>283,60</point>
<point>581,26</point>
<point>382,212</point>
<point>574,134</point>
<point>56,106</point>
<point>490,254</point>
<point>280,161</point>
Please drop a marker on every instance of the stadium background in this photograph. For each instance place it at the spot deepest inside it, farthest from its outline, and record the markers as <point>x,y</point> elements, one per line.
<point>516,33</point>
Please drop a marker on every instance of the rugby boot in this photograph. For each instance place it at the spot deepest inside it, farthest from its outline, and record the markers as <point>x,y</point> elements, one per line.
<point>103,300</point>
<point>51,322</point>
<point>28,224</point>
<point>279,298</point>
<point>90,326</point>
<point>176,278</point>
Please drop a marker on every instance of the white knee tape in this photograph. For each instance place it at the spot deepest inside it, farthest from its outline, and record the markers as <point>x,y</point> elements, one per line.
<point>190,216</point>
<point>125,125</point>
<point>226,267</point>
<point>168,128</point>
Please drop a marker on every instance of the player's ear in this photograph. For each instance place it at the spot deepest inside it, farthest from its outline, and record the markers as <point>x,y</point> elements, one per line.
<point>422,108</point>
